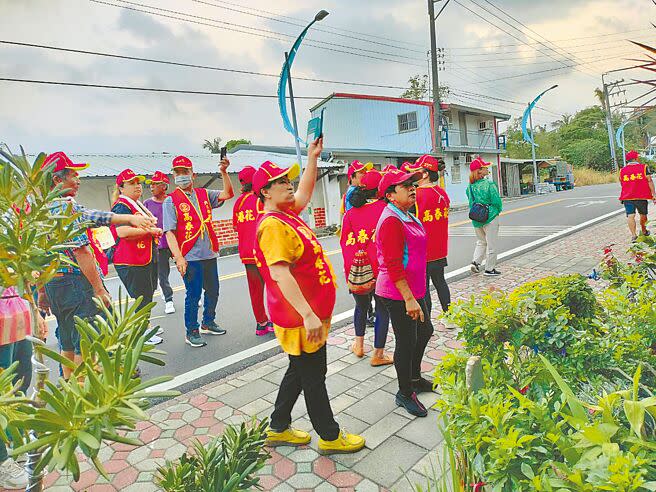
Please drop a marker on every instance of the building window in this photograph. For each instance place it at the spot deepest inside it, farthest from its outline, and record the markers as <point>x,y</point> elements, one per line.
<point>407,122</point>
<point>456,177</point>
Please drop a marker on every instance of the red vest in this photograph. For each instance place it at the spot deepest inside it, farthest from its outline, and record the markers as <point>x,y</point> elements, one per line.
<point>193,222</point>
<point>433,212</point>
<point>133,252</point>
<point>312,272</point>
<point>358,228</point>
<point>635,186</point>
<point>244,220</point>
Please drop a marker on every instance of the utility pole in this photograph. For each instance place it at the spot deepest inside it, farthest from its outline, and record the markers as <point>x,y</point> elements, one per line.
<point>294,121</point>
<point>535,165</point>
<point>437,144</point>
<point>609,123</point>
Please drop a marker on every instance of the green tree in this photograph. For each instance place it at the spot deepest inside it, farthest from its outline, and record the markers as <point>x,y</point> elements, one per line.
<point>588,152</point>
<point>214,145</point>
<point>418,89</point>
<point>231,144</point>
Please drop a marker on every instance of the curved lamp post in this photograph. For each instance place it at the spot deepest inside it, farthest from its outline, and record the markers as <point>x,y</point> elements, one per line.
<point>529,137</point>
<point>286,81</point>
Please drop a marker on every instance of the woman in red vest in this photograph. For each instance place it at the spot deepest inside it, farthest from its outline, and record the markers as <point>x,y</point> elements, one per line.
<point>135,255</point>
<point>637,189</point>
<point>358,227</point>
<point>247,209</point>
<point>300,296</point>
<point>432,209</point>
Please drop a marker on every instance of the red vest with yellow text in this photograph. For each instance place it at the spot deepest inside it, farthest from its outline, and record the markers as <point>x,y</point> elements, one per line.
<point>192,221</point>
<point>244,221</point>
<point>635,186</point>
<point>133,252</point>
<point>358,228</point>
<point>311,271</point>
<point>433,212</point>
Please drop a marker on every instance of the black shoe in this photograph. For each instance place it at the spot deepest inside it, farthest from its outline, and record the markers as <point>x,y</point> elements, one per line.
<point>212,329</point>
<point>422,385</point>
<point>371,321</point>
<point>492,273</point>
<point>412,405</point>
<point>475,267</point>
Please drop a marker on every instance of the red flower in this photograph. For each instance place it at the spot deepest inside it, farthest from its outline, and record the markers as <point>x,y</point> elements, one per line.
<point>477,487</point>
<point>524,390</point>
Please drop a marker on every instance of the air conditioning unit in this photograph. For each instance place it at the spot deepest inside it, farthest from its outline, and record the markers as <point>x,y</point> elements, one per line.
<point>486,125</point>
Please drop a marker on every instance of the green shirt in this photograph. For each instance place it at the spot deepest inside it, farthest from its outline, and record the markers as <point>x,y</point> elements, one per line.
<point>485,191</point>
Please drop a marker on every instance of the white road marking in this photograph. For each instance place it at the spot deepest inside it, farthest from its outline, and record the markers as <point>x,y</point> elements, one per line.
<point>511,230</point>
<point>200,372</point>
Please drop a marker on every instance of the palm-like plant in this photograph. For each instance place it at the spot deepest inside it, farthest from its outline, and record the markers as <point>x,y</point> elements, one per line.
<point>102,397</point>
<point>214,145</point>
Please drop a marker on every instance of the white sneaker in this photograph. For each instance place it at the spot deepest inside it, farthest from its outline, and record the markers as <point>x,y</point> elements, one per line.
<point>154,340</point>
<point>169,308</point>
<point>12,476</point>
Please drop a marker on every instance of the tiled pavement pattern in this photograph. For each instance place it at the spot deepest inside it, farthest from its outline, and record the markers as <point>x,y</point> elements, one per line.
<point>362,399</point>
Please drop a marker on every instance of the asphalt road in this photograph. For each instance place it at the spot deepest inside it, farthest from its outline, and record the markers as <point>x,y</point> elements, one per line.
<point>523,221</point>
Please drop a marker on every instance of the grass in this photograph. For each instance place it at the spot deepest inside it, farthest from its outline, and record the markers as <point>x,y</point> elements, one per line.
<point>584,176</point>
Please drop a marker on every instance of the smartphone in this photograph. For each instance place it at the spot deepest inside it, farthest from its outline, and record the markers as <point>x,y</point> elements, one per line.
<point>315,128</point>
<point>224,152</point>
<point>318,132</point>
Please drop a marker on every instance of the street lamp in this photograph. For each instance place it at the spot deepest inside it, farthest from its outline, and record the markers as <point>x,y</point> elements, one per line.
<point>286,81</point>
<point>529,138</point>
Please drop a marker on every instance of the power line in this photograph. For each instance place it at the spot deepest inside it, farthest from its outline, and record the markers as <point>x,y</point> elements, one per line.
<point>326,28</point>
<point>263,33</point>
<point>590,59</point>
<point>150,89</point>
<point>484,57</point>
<point>187,65</point>
<point>319,29</point>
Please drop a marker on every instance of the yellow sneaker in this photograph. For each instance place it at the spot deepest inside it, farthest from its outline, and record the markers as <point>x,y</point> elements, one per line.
<point>288,437</point>
<point>345,443</point>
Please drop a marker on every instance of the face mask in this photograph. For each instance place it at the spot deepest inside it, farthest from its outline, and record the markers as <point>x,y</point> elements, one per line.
<point>183,180</point>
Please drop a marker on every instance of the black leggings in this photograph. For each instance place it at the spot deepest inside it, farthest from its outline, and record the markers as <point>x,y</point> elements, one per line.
<point>139,280</point>
<point>435,273</point>
<point>411,340</point>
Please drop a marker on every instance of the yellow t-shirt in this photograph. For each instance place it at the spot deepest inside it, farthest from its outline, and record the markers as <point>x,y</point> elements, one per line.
<point>281,244</point>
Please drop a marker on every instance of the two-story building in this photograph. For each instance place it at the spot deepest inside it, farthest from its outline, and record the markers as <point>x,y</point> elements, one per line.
<point>389,130</point>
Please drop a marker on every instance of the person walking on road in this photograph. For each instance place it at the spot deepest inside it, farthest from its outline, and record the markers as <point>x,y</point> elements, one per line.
<point>245,213</point>
<point>159,183</point>
<point>401,284</point>
<point>195,246</point>
<point>432,209</point>
<point>301,289</point>
<point>637,190</point>
<point>135,252</point>
<point>361,264</point>
<point>70,293</point>
<point>484,208</point>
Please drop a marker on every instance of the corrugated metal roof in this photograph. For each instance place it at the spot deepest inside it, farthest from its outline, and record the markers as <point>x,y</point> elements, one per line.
<point>101,165</point>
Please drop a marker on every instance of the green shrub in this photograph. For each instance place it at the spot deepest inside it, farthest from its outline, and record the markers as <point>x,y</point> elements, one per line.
<point>228,463</point>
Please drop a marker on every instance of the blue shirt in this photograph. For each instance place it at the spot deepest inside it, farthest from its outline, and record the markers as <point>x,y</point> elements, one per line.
<point>202,248</point>
<point>98,218</point>
<point>347,203</point>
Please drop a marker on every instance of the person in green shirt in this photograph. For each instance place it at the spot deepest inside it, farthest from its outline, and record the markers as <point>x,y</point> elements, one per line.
<point>484,191</point>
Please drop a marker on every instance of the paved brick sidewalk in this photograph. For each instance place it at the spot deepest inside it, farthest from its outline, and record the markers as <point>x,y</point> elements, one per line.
<point>362,399</point>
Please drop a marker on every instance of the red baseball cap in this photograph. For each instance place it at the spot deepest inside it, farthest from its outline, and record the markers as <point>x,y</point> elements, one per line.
<point>158,177</point>
<point>409,167</point>
<point>182,161</point>
<point>246,175</point>
<point>395,178</point>
<point>632,155</point>
<point>357,166</point>
<point>478,163</point>
<point>390,167</point>
<point>62,161</point>
<point>428,162</point>
<point>269,172</point>
<point>128,175</point>
<point>371,179</point>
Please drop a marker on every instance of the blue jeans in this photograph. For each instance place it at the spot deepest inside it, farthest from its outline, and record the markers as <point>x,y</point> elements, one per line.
<point>381,324</point>
<point>70,295</point>
<point>201,274</point>
<point>20,352</point>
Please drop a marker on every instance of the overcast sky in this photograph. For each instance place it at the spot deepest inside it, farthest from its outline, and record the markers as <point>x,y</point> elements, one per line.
<point>393,40</point>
